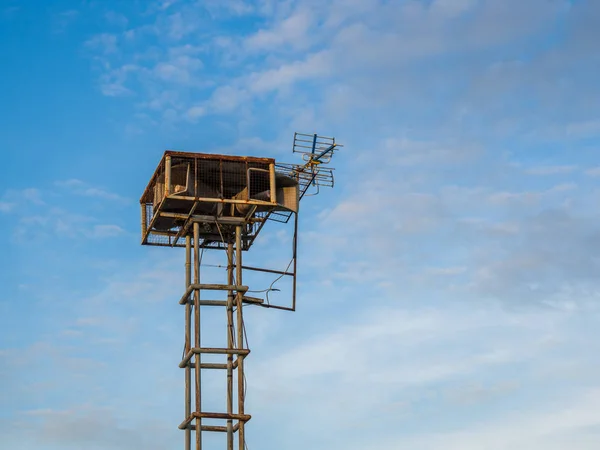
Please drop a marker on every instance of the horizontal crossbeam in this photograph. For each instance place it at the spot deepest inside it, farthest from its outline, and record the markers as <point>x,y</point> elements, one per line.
<point>212,415</point>
<point>219,351</point>
<point>211,287</point>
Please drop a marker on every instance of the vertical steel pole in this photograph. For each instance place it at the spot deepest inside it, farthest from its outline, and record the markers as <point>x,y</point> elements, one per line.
<point>167,175</point>
<point>144,220</point>
<point>240,333</point>
<point>188,307</point>
<point>230,345</point>
<point>197,333</point>
<point>295,256</point>
<point>272,183</point>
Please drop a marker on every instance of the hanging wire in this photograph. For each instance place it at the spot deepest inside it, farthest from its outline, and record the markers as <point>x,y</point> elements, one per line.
<point>270,288</point>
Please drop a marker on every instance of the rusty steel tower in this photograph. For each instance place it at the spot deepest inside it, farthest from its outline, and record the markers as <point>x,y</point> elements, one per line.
<point>217,202</point>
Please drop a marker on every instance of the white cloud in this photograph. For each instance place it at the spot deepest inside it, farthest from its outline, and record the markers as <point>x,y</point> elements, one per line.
<point>411,363</point>
<point>586,129</point>
<point>83,424</point>
<point>447,222</point>
<point>226,8</point>
<point>448,271</point>
<point>105,43</point>
<point>195,112</point>
<point>181,69</point>
<point>115,18</point>
<point>73,182</point>
<point>292,31</point>
<point>594,172</point>
<point>6,207</point>
<point>551,170</point>
<point>384,38</point>
<point>406,152</point>
<point>63,19</point>
<point>15,199</point>
<point>570,423</point>
<point>452,8</point>
<point>313,66</point>
<point>166,4</point>
<point>112,83</point>
<point>179,25</point>
<point>530,198</point>
<point>104,231</point>
<point>226,99</point>
<point>32,195</point>
<point>79,187</point>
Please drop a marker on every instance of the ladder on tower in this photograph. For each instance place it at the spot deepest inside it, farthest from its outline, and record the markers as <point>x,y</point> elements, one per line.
<point>236,351</point>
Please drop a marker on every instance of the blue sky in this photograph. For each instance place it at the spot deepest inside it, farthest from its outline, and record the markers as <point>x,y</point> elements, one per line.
<point>448,290</point>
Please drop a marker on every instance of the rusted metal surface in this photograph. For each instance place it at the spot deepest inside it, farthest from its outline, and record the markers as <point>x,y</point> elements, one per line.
<point>212,415</point>
<point>186,186</point>
<point>235,352</point>
<point>192,365</point>
<point>218,156</point>
<point>230,346</point>
<point>199,156</point>
<point>206,201</point>
<point>209,287</point>
<point>240,335</point>
<point>188,332</point>
<point>216,428</point>
<point>197,333</point>
<point>260,269</point>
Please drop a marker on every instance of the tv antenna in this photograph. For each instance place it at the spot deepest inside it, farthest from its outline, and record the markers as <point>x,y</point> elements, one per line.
<point>201,202</point>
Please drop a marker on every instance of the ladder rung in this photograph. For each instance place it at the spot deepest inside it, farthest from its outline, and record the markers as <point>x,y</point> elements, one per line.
<point>225,416</point>
<point>192,365</point>
<point>187,423</point>
<point>210,302</point>
<point>221,429</point>
<point>219,351</point>
<point>211,287</point>
<point>222,351</point>
<point>252,300</point>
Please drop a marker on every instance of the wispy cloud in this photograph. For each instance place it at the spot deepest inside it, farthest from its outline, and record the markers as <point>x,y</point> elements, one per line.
<point>448,280</point>
<point>64,19</point>
<point>594,172</point>
<point>115,18</point>
<point>79,187</point>
<point>6,207</point>
<point>293,30</point>
<point>55,218</point>
<point>104,231</point>
<point>18,198</point>
<point>551,170</point>
<point>104,43</point>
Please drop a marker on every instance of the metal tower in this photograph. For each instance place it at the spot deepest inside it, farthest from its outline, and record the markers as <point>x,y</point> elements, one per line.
<point>218,202</point>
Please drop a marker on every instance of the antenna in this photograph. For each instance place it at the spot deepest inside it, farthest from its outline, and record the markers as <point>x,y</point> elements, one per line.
<point>201,202</point>
<point>317,152</point>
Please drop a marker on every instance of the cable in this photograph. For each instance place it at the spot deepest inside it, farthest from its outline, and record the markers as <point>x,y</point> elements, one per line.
<point>247,347</point>
<point>276,280</point>
<point>270,288</point>
<point>262,290</point>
